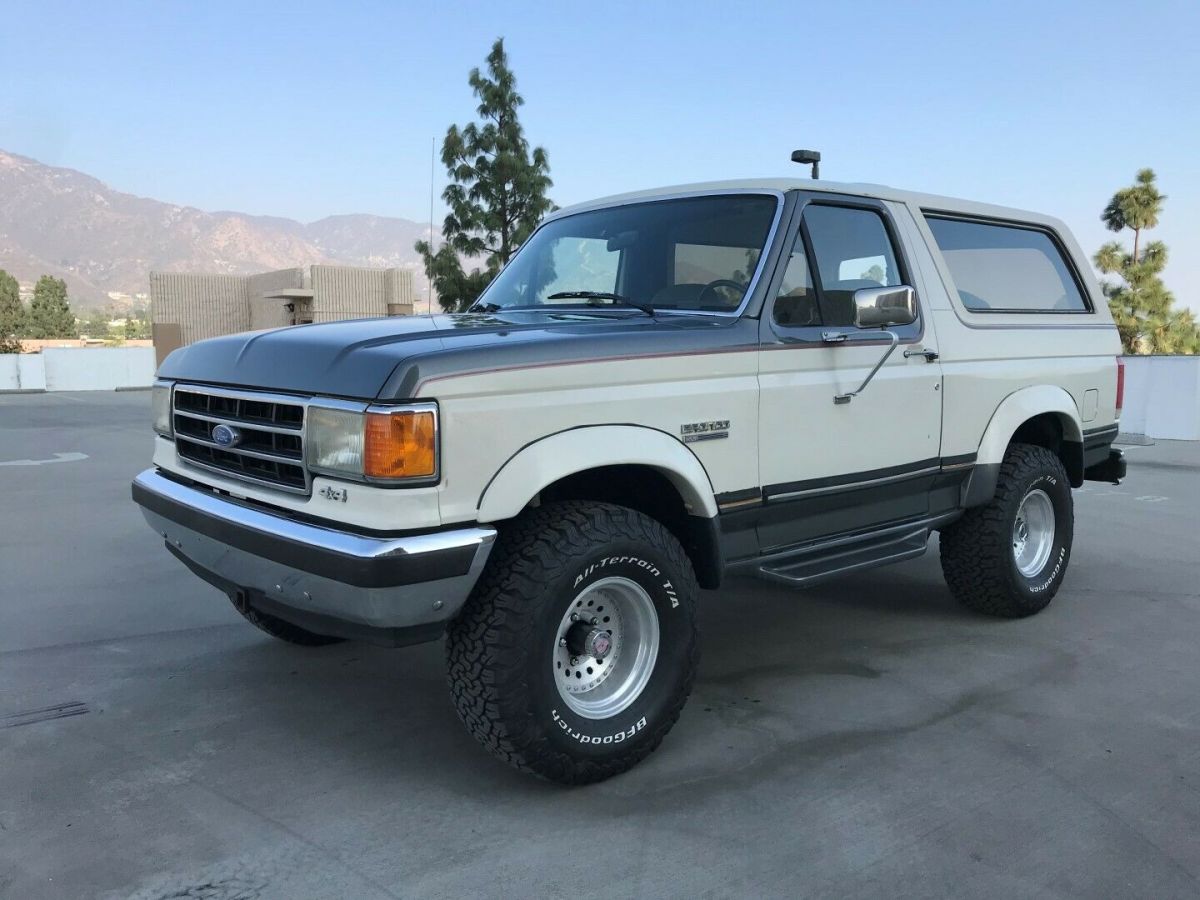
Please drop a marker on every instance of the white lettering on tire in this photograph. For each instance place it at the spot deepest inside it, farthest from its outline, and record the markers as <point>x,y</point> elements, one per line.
<point>615,560</point>
<point>1038,588</point>
<point>616,738</point>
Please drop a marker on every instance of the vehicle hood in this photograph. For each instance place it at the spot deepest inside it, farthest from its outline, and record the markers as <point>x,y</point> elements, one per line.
<point>388,358</point>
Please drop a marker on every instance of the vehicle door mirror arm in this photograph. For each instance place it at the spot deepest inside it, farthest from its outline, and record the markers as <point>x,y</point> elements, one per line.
<point>846,398</point>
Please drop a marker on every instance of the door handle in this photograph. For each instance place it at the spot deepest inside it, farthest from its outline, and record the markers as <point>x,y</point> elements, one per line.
<point>930,355</point>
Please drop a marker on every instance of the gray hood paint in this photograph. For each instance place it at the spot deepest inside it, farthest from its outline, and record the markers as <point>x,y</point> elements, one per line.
<point>387,359</point>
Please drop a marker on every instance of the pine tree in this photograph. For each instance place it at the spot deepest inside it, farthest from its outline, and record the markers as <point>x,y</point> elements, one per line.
<point>12,315</point>
<point>1141,304</point>
<point>497,190</point>
<point>50,313</point>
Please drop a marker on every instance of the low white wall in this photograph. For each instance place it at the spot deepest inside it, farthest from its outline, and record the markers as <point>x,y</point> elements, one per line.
<point>31,371</point>
<point>9,379</point>
<point>77,369</point>
<point>1162,397</point>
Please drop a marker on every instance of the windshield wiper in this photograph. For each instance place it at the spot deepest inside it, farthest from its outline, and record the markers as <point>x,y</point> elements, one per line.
<point>617,299</point>
<point>484,307</point>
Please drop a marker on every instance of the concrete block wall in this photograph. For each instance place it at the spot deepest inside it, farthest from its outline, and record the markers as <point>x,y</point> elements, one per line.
<point>351,292</point>
<point>202,305</point>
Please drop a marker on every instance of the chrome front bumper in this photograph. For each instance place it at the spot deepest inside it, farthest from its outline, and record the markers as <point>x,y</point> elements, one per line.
<point>389,590</point>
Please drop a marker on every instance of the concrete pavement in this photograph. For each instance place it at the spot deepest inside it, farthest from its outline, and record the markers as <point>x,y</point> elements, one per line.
<point>864,738</point>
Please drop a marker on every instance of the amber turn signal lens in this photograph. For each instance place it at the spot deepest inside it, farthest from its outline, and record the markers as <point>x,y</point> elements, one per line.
<point>400,444</point>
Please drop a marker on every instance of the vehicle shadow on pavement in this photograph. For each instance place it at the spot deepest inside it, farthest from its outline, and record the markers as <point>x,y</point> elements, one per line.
<point>352,708</point>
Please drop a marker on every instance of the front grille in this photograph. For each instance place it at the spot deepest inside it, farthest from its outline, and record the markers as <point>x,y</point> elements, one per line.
<point>270,435</point>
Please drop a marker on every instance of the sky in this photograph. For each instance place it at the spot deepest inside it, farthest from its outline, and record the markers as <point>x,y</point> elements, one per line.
<point>311,109</point>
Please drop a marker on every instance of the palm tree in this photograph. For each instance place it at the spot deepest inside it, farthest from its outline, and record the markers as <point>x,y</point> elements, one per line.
<point>1141,304</point>
<point>1137,206</point>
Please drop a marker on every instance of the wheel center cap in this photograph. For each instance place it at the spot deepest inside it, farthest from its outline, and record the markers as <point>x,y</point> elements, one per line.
<point>598,643</point>
<point>589,640</point>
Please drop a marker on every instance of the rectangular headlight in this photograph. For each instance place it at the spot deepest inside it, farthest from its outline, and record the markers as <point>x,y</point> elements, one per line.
<point>380,443</point>
<point>335,441</point>
<point>160,405</point>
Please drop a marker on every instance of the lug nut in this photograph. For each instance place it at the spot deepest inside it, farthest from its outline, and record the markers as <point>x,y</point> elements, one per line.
<point>574,617</point>
<point>595,621</point>
<point>562,642</point>
<point>574,660</point>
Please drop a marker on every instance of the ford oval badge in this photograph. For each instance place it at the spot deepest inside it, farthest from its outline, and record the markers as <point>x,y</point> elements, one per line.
<point>225,436</point>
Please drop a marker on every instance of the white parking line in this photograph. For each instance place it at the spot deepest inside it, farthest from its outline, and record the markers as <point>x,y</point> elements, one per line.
<point>1144,498</point>
<point>58,458</point>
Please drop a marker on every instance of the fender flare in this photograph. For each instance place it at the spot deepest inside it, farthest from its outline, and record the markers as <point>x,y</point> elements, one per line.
<point>538,465</point>
<point>1015,410</point>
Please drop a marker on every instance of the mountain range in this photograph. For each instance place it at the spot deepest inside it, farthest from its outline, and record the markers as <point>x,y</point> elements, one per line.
<point>57,221</point>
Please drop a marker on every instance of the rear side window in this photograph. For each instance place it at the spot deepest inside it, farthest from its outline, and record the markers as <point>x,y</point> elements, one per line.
<point>1006,268</point>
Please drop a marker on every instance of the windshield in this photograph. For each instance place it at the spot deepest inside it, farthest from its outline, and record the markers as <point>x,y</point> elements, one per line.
<point>696,254</point>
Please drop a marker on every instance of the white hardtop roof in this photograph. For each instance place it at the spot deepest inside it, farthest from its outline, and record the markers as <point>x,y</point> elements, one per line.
<point>877,191</point>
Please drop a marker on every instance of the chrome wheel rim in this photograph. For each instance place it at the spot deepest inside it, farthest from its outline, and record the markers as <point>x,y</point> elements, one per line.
<point>614,613</point>
<point>1033,533</point>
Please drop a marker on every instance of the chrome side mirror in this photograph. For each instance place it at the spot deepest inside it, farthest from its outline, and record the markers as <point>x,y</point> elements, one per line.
<point>883,307</point>
<point>880,307</point>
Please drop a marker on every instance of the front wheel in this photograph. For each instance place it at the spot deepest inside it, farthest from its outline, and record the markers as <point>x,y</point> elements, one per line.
<point>1008,557</point>
<point>576,651</point>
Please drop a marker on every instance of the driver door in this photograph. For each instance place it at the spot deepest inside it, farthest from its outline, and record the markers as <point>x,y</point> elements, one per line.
<point>833,467</point>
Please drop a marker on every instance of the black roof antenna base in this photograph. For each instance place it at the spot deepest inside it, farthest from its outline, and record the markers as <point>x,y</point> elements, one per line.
<point>808,157</point>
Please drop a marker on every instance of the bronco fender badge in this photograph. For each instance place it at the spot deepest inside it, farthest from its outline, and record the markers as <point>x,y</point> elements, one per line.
<point>704,431</point>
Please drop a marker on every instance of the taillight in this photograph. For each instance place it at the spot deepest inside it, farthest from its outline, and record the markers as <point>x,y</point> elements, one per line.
<point>1120,383</point>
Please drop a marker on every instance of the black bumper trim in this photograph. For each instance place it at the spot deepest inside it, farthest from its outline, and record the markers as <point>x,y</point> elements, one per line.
<point>331,626</point>
<point>358,571</point>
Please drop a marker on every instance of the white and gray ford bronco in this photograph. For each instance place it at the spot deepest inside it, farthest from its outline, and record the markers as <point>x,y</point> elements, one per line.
<point>786,377</point>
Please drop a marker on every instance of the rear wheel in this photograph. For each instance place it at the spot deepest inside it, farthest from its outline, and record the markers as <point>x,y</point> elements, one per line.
<point>1009,557</point>
<point>576,652</point>
<point>278,628</point>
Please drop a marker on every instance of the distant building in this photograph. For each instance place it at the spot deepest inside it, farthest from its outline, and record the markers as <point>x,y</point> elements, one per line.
<point>187,307</point>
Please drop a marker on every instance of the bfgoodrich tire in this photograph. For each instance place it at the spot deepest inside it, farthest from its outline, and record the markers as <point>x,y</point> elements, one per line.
<point>576,651</point>
<point>1008,558</point>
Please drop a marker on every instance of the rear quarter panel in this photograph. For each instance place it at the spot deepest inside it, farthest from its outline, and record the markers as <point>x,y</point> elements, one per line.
<point>987,357</point>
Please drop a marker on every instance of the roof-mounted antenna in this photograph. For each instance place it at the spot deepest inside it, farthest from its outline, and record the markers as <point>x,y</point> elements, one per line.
<point>808,157</point>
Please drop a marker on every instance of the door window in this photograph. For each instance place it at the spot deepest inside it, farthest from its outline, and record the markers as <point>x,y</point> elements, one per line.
<point>852,250</point>
<point>796,303</point>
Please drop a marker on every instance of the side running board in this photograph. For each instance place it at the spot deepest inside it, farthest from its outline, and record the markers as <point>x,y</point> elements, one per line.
<point>812,563</point>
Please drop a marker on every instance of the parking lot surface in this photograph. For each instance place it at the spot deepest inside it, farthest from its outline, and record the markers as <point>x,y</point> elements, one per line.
<point>863,738</point>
